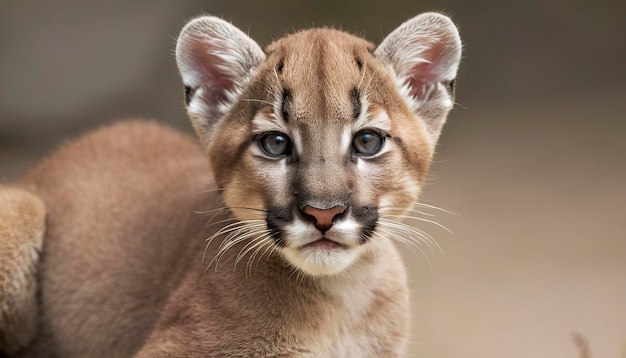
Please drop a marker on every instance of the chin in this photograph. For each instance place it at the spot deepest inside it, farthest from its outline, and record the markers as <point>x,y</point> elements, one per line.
<point>318,260</point>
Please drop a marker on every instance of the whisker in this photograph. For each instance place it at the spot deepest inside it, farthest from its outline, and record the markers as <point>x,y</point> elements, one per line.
<point>209,223</point>
<point>411,210</point>
<point>367,87</point>
<point>358,87</point>
<point>233,238</point>
<point>244,250</point>
<point>257,100</point>
<point>209,190</point>
<point>229,244</point>
<point>249,208</point>
<point>239,225</point>
<point>410,244</point>
<point>402,206</point>
<point>420,219</point>
<point>427,239</point>
<point>271,248</point>
<point>211,211</point>
<point>264,241</point>
<point>436,208</point>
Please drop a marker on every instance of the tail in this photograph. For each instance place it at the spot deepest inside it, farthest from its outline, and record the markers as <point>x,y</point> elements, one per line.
<point>22,222</point>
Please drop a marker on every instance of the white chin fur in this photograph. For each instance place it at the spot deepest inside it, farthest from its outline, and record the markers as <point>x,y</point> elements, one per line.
<point>320,261</point>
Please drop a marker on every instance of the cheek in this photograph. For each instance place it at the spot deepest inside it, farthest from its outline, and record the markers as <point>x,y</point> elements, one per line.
<point>274,180</point>
<point>403,195</point>
<point>389,184</point>
<point>258,185</point>
<point>244,199</point>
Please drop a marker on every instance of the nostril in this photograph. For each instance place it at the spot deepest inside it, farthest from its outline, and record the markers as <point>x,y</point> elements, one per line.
<point>323,217</point>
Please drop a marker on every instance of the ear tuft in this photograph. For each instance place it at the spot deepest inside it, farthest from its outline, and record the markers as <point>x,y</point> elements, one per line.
<point>215,60</point>
<point>424,54</point>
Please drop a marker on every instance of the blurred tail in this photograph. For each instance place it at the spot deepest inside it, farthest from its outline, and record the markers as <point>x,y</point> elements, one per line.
<point>22,220</point>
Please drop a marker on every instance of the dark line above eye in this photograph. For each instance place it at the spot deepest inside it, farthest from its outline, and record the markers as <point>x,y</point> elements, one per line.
<point>450,85</point>
<point>285,107</point>
<point>280,66</point>
<point>356,103</point>
<point>359,64</point>
<point>189,92</point>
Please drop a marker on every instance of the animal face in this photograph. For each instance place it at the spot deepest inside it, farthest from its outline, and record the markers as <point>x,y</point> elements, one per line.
<point>322,138</point>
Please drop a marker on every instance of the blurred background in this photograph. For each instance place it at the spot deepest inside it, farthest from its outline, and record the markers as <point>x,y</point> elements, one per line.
<point>532,162</point>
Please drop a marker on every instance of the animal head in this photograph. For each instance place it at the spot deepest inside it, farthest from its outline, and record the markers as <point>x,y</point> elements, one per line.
<point>321,135</point>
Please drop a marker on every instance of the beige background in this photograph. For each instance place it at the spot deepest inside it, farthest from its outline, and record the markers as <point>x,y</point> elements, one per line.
<point>532,161</point>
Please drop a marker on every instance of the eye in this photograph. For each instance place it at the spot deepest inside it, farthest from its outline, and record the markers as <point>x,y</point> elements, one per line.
<point>275,144</point>
<point>368,142</point>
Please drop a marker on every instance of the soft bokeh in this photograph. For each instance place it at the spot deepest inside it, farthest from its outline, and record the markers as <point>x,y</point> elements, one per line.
<point>532,161</point>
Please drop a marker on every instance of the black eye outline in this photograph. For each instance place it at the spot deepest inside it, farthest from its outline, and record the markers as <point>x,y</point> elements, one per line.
<point>373,149</point>
<point>269,144</point>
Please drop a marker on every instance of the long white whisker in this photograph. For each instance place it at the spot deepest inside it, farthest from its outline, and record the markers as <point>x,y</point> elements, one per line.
<point>237,225</point>
<point>264,241</point>
<point>234,238</point>
<point>234,227</point>
<point>409,243</point>
<point>209,190</point>
<point>427,239</point>
<point>436,208</point>
<point>257,100</point>
<point>249,246</point>
<point>419,219</point>
<point>209,224</point>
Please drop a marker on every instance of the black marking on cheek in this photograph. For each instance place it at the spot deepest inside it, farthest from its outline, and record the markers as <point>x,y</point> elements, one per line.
<point>366,234</point>
<point>367,216</point>
<point>276,218</point>
<point>189,92</point>
<point>286,106</point>
<point>356,103</point>
<point>359,64</point>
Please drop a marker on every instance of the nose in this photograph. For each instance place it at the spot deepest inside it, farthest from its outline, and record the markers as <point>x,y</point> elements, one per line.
<point>323,217</point>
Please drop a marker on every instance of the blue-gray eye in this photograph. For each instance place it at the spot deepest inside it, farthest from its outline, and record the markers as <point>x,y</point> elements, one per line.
<point>275,144</point>
<point>368,142</point>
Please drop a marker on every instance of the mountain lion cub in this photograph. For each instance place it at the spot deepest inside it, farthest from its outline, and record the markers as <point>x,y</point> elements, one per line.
<point>128,242</point>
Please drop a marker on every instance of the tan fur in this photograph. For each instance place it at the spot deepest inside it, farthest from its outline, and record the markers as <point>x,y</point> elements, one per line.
<point>21,229</point>
<point>127,269</point>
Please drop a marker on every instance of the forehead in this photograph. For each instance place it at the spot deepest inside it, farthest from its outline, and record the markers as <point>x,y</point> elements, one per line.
<point>319,69</point>
<point>320,45</point>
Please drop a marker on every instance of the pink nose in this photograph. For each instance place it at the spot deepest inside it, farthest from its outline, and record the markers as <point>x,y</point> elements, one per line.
<point>323,217</point>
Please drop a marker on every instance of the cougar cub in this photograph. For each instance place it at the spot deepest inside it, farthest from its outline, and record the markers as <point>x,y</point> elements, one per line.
<point>280,244</point>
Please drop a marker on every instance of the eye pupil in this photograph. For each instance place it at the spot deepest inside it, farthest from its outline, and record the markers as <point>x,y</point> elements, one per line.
<point>275,144</point>
<point>279,140</point>
<point>368,142</point>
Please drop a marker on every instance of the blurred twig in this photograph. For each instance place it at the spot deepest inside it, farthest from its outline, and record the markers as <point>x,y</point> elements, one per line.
<point>582,345</point>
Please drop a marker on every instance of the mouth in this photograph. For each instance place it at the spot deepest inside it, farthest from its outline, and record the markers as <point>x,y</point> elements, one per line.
<point>322,256</point>
<point>324,244</point>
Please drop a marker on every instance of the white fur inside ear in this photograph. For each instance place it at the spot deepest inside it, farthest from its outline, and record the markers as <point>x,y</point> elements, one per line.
<point>424,54</point>
<point>215,60</point>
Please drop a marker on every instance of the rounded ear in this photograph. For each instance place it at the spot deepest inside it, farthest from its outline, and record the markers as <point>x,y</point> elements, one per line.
<point>424,54</point>
<point>215,60</point>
